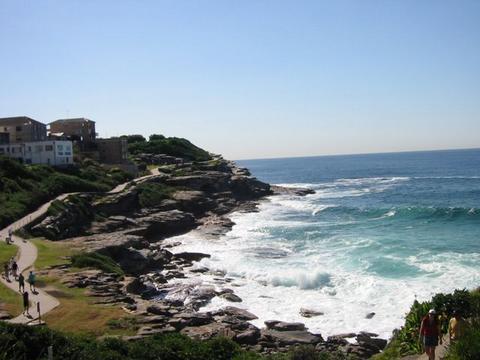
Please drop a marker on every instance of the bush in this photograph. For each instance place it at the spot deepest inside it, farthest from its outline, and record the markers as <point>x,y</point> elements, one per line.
<point>25,342</point>
<point>152,194</point>
<point>24,188</point>
<point>467,348</point>
<point>158,144</point>
<point>96,261</point>
<point>405,341</point>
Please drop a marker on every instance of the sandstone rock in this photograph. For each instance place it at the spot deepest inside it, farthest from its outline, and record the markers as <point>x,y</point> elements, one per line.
<point>159,309</point>
<point>203,332</point>
<point>237,312</point>
<point>166,223</point>
<point>290,337</point>
<point>248,337</point>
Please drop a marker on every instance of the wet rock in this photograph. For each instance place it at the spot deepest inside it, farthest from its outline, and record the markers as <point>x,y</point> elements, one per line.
<point>308,313</point>
<point>370,315</point>
<point>371,341</point>
<point>191,256</point>
<point>231,297</point>
<point>284,326</point>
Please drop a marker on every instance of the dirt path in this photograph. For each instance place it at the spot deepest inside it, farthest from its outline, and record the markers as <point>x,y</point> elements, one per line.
<point>27,255</point>
<point>440,352</point>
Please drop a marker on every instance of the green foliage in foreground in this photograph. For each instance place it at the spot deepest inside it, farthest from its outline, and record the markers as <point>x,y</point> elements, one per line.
<point>25,187</point>
<point>22,342</point>
<point>468,348</point>
<point>172,146</point>
<point>406,340</point>
<point>96,261</point>
<point>25,342</point>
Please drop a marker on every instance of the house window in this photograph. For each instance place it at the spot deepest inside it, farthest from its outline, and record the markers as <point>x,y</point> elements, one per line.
<point>2,150</point>
<point>60,147</point>
<point>18,128</point>
<point>13,150</point>
<point>48,147</point>
<point>30,149</point>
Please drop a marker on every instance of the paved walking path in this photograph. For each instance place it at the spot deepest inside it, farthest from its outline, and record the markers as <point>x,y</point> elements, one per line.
<point>27,255</point>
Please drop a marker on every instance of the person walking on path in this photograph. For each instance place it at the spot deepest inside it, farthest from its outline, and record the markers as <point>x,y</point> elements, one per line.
<point>430,333</point>
<point>25,303</point>
<point>31,281</point>
<point>21,283</point>
<point>14,269</point>
<point>457,326</point>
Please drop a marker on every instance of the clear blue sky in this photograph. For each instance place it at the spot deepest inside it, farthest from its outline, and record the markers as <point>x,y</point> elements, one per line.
<point>251,79</point>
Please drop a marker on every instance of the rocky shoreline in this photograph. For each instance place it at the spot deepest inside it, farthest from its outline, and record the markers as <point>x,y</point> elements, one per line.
<point>131,227</point>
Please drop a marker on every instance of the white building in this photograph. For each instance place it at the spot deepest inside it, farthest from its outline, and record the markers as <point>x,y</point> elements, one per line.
<point>54,152</point>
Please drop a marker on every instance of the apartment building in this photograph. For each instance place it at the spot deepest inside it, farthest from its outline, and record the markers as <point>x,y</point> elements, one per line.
<point>50,152</point>
<point>22,129</point>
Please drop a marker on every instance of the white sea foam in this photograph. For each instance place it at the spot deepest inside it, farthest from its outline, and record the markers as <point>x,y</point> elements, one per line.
<point>276,276</point>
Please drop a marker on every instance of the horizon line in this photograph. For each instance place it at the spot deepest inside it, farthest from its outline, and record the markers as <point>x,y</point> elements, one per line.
<point>354,154</point>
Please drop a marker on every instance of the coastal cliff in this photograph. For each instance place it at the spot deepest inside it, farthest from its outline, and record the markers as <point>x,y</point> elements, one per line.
<point>128,229</point>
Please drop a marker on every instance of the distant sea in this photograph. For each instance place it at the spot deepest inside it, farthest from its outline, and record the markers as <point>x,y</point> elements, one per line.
<point>381,231</point>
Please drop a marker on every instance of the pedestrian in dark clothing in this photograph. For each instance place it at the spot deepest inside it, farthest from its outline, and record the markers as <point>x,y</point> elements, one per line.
<point>21,283</point>
<point>31,281</point>
<point>25,303</point>
<point>14,269</point>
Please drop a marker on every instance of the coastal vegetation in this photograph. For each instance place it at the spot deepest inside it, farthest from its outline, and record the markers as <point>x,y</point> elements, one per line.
<point>96,261</point>
<point>405,341</point>
<point>171,146</point>
<point>25,342</point>
<point>25,187</point>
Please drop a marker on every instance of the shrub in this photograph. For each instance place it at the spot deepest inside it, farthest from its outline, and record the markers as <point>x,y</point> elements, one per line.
<point>173,146</point>
<point>152,194</point>
<point>25,342</point>
<point>23,188</point>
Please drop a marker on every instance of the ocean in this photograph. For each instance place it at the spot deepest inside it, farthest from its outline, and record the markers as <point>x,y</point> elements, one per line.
<point>381,231</point>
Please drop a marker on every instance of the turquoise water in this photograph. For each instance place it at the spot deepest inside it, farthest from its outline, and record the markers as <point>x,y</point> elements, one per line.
<point>380,231</point>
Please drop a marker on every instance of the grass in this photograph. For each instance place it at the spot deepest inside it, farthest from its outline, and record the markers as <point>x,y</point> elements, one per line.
<point>10,299</point>
<point>76,313</point>
<point>51,253</point>
<point>96,261</point>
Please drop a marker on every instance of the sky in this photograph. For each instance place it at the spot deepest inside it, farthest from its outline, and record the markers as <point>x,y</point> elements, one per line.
<point>251,78</point>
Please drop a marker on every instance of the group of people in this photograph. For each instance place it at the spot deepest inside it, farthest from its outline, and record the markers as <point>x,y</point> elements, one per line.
<point>11,269</point>
<point>431,333</point>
